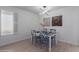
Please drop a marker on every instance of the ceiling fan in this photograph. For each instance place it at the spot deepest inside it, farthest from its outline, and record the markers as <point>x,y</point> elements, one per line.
<point>44,10</point>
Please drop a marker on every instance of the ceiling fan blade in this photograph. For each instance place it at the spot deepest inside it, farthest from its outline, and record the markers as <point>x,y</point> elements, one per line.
<point>41,9</point>
<point>45,11</point>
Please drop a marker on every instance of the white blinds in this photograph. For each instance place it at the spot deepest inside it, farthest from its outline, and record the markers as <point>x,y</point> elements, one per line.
<point>8,23</point>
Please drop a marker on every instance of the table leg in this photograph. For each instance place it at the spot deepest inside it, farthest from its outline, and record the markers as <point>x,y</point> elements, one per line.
<point>49,43</point>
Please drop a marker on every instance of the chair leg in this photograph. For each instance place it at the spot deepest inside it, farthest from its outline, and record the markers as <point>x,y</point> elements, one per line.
<point>54,41</point>
<point>35,42</point>
<point>32,40</point>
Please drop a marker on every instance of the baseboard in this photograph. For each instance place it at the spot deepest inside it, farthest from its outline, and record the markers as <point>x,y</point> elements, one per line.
<point>65,42</point>
<point>15,41</point>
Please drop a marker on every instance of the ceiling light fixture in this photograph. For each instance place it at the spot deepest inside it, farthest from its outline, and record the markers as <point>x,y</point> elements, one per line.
<point>44,6</point>
<point>44,10</point>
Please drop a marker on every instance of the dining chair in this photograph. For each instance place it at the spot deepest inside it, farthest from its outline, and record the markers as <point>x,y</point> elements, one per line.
<point>33,36</point>
<point>44,40</point>
<point>53,31</point>
<point>37,40</point>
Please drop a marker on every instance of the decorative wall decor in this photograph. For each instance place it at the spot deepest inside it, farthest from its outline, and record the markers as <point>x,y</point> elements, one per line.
<point>42,24</point>
<point>57,21</point>
<point>46,21</point>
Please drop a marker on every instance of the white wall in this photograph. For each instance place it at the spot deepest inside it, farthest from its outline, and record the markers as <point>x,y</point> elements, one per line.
<point>69,31</point>
<point>26,22</point>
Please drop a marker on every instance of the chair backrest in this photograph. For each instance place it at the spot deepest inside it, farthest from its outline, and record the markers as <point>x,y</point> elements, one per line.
<point>33,32</point>
<point>53,31</point>
<point>45,29</point>
<point>38,33</point>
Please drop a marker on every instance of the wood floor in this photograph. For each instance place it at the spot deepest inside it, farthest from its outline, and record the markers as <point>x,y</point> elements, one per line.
<point>26,46</point>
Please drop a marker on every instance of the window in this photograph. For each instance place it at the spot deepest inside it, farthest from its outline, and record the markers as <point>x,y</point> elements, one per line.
<point>7,23</point>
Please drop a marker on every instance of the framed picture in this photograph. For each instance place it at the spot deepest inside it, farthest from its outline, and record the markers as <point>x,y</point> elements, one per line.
<point>57,21</point>
<point>46,21</point>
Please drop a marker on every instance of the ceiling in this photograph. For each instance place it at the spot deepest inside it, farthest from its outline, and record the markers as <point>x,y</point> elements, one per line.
<point>36,9</point>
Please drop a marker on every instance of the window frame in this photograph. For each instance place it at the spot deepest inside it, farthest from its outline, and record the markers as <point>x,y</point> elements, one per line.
<point>12,14</point>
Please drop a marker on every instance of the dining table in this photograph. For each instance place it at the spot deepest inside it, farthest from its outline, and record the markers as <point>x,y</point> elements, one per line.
<point>50,35</point>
